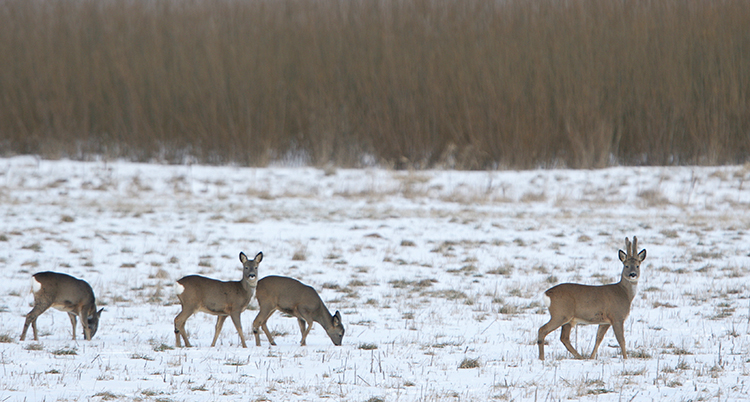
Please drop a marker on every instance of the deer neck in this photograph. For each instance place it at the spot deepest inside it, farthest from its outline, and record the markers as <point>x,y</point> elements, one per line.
<point>248,285</point>
<point>323,317</point>
<point>629,287</point>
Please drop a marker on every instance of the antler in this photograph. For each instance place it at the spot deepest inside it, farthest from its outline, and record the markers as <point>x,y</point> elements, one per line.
<point>628,249</point>
<point>635,246</point>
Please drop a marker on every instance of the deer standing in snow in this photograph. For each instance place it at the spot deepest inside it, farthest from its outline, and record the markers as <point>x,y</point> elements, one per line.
<point>222,299</point>
<point>292,297</point>
<point>608,305</point>
<point>65,293</point>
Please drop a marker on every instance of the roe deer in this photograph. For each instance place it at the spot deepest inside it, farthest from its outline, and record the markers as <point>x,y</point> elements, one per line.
<point>292,297</point>
<point>608,305</point>
<point>65,293</point>
<point>222,299</point>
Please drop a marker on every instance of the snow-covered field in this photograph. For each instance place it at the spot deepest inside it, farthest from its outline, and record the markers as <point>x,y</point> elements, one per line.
<point>432,271</point>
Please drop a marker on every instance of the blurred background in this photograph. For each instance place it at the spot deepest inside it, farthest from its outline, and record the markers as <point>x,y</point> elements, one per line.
<point>458,84</point>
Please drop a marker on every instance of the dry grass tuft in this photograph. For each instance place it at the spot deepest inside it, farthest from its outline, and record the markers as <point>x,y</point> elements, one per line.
<point>64,352</point>
<point>596,387</point>
<point>36,247</point>
<point>161,347</point>
<point>510,309</point>
<point>468,363</point>
<point>141,356</point>
<point>653,197</point>
<point>504,270</point>
<point>106,396</point>
<point>448,294</point>
<point>639,354</point>
<point>300,254</point>
<point>161,274</point>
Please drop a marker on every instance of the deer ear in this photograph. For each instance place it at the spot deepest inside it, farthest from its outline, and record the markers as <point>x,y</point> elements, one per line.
<point>642,255</point>
<point>243,257</point>
<point>337,318</point>
<point>98,313</point>
<point>622,255</point>
<point>258,257</point>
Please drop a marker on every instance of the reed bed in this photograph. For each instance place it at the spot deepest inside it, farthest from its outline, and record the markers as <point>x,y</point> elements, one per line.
<point>469,84</point>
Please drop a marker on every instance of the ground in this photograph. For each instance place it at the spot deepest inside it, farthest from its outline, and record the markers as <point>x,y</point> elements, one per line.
<point>438,276</point>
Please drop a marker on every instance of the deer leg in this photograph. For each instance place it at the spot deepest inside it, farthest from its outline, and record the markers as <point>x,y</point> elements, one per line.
<point>304,334</point>
<point>73,323</point>
<point>603,328</point>
<point>33,328</point>
<point>302,319</point>
<point>620,335</point>
<point>565,339</point>
<point>260,321</point>
<point>179,327</point>
<point>256,325</point>
<point>268,334</point>
<point>302,324</point>
<point>544,330</point>
<point>238,324</point>
<point>31,317</point>
<point>219,324</point>
<point>28,321</point>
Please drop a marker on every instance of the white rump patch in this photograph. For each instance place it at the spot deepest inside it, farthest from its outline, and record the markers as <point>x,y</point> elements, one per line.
<point>35,285</point>
<point>178,289</point>
<point>547,300</point>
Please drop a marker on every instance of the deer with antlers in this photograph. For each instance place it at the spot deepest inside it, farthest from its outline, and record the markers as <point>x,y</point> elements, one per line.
<point>608,305</point>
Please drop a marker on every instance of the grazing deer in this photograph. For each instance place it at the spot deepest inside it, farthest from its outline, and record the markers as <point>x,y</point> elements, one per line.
<point>64,293</point>
<point>292,297</point>
<point>608,305</point>
<point>222,299</point>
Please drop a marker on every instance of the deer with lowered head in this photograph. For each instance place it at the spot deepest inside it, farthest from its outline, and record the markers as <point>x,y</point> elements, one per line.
<point>222,299</point>
<point>65,293</point>
<point>292,297</point>
<point>608,305</point>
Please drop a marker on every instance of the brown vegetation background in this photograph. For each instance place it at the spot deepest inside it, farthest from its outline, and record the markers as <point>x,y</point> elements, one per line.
<point>468,84</point>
